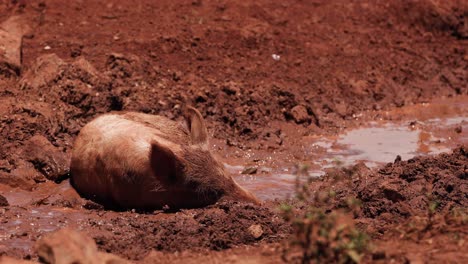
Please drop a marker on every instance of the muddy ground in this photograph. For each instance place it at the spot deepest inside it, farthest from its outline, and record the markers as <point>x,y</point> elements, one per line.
<point>266,76</point>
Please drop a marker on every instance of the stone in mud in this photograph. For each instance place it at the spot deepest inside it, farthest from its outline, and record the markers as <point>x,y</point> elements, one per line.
<point>256,231</point>
<point>46,158</point>
<point>45,69</point>
<point>3,201</point>
<point>299,114</point>
<point>11,38</point>
<point>70,246</point>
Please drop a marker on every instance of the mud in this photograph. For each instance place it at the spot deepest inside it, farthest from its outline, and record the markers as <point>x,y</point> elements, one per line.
<point>376,138</point>
<point>133,235</point>
<point>278,84</point>
<point>402,188</point>
<point>422,200</point>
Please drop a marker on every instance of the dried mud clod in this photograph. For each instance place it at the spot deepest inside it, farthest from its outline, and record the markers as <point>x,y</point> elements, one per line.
<point>46,158</point>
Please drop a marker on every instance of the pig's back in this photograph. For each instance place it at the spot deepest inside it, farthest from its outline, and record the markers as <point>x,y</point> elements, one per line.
<point>111,153</point>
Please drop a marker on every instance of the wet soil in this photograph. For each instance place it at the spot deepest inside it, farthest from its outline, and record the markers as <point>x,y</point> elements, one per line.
<point>420,201</point>
<point>326,83</point>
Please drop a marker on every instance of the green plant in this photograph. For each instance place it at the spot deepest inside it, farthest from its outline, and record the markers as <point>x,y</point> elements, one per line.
<point>319,236</point>
<point>432,205</point>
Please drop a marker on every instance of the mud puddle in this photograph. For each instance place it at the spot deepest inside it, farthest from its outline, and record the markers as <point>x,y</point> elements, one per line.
<point>377,144</point>
<point>424,129</point>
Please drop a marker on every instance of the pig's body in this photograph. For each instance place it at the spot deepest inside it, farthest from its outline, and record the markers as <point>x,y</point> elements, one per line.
<point>135,160</point>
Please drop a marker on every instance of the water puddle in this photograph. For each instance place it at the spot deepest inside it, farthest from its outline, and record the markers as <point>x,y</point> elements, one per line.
<point>377,145</point>
<point>425,129</point>
<point>16,229</point>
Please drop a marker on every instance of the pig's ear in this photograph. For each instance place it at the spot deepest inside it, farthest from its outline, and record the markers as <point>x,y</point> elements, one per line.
<point>164,162</point>
<point>196,126</point>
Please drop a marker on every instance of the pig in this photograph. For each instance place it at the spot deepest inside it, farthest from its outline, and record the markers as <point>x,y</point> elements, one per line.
<point>133,160</point>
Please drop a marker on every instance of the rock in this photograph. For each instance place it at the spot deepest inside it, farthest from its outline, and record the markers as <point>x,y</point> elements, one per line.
<point>256,231</point>
<point>45,69</point>
<point>299,114</point>
<point>46,158</point>
<point>11,38</point>
<point>3,201</point>
<point>70,246</point>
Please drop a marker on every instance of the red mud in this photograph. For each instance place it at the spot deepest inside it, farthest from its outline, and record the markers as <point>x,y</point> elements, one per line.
<point>396,201</point>
<point>266,76</point>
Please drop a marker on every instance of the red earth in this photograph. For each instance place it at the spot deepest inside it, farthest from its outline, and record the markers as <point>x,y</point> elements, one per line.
<point>266,76</point>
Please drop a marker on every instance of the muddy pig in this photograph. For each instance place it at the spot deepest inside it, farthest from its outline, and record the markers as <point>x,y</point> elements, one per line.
<point>135,160</point>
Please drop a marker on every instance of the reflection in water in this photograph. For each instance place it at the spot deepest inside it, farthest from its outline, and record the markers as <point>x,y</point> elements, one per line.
<point>270,185</point>
<point>379,145</point>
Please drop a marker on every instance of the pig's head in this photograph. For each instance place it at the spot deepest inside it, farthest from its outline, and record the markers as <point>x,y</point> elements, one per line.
<point>192,167</point>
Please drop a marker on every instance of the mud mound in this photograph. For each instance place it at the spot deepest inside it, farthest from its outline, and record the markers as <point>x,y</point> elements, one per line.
<point>403,188</point>
<point>218,227</point>
<point>408,187</point>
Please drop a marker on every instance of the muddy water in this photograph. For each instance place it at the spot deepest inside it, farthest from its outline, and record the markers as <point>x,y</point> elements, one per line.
<point>14,232</point>
<point>380,144</point>
<point>423,129</point>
